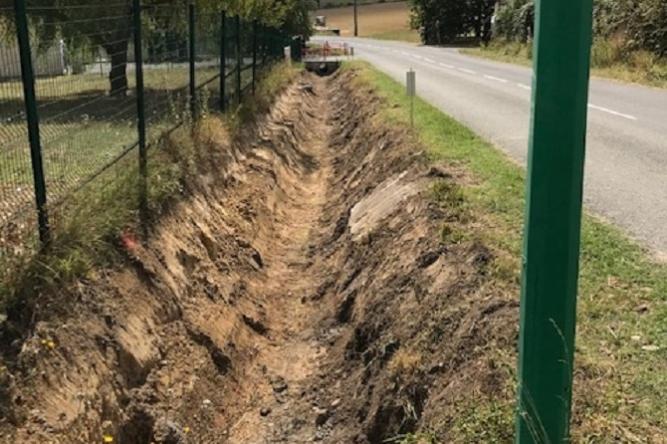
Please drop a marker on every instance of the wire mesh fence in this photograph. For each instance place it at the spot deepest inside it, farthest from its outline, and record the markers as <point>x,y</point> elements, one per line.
<point>83,85</point>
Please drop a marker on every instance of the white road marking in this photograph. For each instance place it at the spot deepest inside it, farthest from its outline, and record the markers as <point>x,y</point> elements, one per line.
<point>467,71</point>
<point>612,112</point>
<point>496,79</point>
<point>522,86</point>
<point>418,57</point>
<point>444,65</point>
<point>429,60</point>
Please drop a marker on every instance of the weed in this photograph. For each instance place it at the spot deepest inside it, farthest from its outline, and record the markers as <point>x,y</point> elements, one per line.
<point>404,362</point>
<point>450,234</point>
<point>489,422</point>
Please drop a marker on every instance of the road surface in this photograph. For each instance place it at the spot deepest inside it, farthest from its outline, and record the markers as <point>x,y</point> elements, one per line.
<point>626,164</point>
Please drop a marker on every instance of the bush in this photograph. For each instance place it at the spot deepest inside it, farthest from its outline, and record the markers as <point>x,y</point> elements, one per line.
<point>606,52</point>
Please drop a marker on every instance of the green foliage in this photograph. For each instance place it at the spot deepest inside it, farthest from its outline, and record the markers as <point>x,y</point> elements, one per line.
<point>490,422</point>
<point>86,26</point>
<point>514,20</point>
<point>290,15</point>
<point>443,21</point>
<point>629,24</point>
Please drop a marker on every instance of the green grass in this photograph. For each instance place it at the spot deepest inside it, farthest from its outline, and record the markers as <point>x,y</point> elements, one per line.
<point>621,350</point>
<point>608,60</point>
<point>82,129</point>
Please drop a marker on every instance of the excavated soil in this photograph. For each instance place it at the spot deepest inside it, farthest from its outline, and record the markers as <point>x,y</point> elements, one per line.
<point>302,293</point>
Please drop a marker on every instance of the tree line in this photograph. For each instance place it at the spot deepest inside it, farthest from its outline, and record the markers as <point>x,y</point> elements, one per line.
<point>445,21</point>
<point>633,24</point>
<point>107,24</point>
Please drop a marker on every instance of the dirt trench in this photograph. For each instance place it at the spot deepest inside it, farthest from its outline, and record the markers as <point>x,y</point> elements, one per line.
<point>305,292</point>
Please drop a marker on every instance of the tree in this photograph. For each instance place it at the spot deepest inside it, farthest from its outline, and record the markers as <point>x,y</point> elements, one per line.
<point>86,25</point>
<point>443,21</point>
<point>515,20</point>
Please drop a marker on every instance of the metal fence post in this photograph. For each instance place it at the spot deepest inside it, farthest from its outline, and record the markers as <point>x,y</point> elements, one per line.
<point>223,61</point>
<point>32,117</point>
<point>141,115</point>
<point>193,79</point>
<point>239,59</point>
<point>356,18</point>
<point>254,55</point>
<point>553,220</point>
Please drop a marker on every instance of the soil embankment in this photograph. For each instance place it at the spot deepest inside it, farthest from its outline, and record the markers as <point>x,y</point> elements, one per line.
<point>307,291</point>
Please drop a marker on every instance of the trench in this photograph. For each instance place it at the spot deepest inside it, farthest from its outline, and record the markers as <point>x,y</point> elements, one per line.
<point>300,295</point>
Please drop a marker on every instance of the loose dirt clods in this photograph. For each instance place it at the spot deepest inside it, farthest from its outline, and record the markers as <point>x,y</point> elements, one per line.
<point>303,293</point>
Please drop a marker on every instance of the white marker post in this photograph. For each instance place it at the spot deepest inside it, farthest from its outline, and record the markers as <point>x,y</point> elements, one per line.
<point>412,92</point>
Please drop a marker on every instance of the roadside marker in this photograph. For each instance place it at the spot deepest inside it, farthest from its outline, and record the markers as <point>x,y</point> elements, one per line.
<point>412,92</point>
<point>553,220</point>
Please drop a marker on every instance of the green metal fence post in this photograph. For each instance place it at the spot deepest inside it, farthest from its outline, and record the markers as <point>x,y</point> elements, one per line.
<point>32,117</point>
<point>553,219</point>
<point>239,60</point>
<point>223,61</point>
<point>141,115</point>
<point>254,55</point>
<point>193,79</point>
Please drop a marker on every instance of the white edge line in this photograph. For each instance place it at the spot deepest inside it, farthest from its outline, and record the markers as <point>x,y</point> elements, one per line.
<point>522,86</point>
<point>467,71</point>
<point>612,112</point>
<point>496,79</point>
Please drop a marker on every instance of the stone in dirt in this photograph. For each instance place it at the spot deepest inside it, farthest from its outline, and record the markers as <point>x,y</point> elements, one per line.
<point>279,385</point>
<point>321,416</point>
<point>257,326</point>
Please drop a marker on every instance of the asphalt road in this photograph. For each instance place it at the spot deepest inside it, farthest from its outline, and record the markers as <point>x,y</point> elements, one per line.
<point>626,163</point>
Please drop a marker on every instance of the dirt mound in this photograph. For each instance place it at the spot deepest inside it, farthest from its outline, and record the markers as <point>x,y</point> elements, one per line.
<point>307,291</point>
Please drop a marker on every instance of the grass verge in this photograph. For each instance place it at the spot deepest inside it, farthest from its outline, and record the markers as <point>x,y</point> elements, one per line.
<point>606,62</point>
<point>621,350</point>
<point>91,227</point>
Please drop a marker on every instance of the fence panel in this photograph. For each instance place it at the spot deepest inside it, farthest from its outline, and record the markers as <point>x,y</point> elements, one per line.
<point>18,218</point>
<point>85,76</point>
<point>87,111</point>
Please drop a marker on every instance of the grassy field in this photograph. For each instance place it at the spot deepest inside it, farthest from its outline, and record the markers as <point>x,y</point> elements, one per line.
<point>82,128</point>
<point>389,21</point>
<point>621,350</point>
<point>607,61</point>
